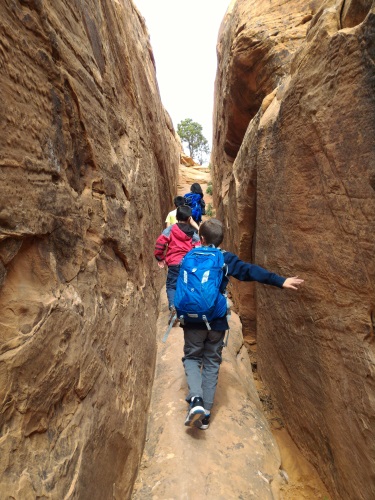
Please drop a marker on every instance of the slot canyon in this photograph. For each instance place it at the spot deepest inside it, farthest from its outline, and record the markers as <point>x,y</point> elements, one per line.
<point>91,402</point>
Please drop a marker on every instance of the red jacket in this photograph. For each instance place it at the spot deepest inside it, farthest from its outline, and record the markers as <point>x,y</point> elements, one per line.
<point>174,243</point>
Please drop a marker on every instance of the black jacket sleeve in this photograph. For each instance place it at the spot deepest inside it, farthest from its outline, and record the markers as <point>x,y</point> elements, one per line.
<point>244,271</point>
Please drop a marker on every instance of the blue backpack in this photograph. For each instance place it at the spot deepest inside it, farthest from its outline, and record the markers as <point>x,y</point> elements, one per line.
<point>193,200</point>
<point>198,298</point>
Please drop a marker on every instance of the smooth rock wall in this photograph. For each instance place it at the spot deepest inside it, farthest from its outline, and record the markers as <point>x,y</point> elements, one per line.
<point>299,199</point>
<point>88,168</point>
<point>255,45</point>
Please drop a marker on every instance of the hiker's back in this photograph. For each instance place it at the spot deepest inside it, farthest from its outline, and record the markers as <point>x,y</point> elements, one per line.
<point>180,243</point>
<point>193,200</point>
<point>198,298</point>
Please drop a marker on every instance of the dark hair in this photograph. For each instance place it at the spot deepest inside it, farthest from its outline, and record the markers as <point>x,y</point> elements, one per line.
<point>183,213</point>
<point>212,231</point>
<point>179,201</point>
<point>196,188</point>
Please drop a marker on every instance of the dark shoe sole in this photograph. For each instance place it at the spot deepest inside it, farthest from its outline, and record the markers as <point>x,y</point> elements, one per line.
<point>195,414</point>
<point>203,424</point>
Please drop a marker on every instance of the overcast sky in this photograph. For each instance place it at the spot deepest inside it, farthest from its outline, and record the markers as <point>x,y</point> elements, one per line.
<point>183,36</point>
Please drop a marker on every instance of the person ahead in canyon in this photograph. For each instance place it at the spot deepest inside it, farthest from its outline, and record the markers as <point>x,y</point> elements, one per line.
<point>203,341</point>
<point>195,201</point>
<point>172,216</point>
<point>171,246</point>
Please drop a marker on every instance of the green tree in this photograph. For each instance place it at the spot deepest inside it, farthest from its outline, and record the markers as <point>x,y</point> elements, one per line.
<point>191,133</point>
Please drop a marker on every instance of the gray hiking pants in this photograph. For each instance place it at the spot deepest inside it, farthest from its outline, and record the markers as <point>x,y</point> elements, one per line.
<point>202,359</point>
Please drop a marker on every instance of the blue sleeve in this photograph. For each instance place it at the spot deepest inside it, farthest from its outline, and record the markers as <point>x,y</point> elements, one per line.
<point>244,271</point>
<point>167,231</point>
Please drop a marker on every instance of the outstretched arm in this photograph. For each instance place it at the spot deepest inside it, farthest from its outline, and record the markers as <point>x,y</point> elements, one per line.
<point>193,223</point>
<point>293,283</point>
<point>245,271</point>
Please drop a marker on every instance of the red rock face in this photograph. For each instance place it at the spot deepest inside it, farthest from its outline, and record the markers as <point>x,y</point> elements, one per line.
<point>255,45</point>
<point>88,156</point>
<point>299,199</point>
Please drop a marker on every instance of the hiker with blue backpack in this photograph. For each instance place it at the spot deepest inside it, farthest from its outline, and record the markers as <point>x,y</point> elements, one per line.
<point>171,246</point>
<point>195,201</point>
<point>201,308</point>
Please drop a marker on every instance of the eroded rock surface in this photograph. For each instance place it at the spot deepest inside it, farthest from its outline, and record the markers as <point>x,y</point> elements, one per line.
<point>255,45</point>
<point>88,159</point>
<point>299,198</point>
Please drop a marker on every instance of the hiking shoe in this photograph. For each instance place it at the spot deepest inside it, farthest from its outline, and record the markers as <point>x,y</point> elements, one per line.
<point>204,423</point>
<point>196,411</point>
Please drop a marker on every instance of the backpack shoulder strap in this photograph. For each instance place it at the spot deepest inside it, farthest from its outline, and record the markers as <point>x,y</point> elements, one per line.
<point>225,266</point>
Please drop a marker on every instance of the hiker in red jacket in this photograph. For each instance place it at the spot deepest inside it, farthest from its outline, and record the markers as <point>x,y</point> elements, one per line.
<point>172,245</point>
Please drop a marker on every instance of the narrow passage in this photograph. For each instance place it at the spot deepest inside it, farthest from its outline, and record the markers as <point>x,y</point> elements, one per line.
<point>237,457</point>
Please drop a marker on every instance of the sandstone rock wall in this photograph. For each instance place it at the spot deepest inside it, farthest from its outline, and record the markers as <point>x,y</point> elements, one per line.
<point>255,44</point>
<point>88,157</point>
<point>299,198</point>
